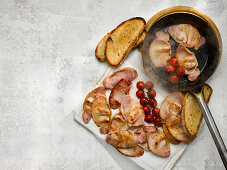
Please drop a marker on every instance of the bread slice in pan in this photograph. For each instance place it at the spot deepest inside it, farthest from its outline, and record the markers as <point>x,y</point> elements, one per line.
<point>191,112</point>
<point>122,39</point>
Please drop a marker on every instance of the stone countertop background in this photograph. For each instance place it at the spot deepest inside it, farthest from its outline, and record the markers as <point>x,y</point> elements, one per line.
<point>47,65</point>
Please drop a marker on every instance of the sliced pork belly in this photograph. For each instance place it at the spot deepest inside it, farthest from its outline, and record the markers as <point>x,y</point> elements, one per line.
<point>89,101</point>
<point>122,88</point>
<point>171,105</point>
<point>126,73</point>
<point>142,135</point>
<point>101,111</point>
<point>117,123</point>
<point>188,61</point>
<point>122,139</point>
<point>160,49</point>
<point>158,143</point>
<point>132,152</point>
<point>132,111</point>
<point>187,35</point>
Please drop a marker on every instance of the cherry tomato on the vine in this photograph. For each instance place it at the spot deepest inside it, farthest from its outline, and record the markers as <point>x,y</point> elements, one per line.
<point>140,85</point>
<point>140,94</point>
<point>157,122</point>
<point>156,112</point>
<point>174,79</point>
<point>151,94</point>
<point>149,118</point>
<point>174,62</point>
<point>153,103</point>
<point>144,101</point>
<point>181,71</point>
<point>170,69</point>
<point>147,109</point>
<point>149,85</point>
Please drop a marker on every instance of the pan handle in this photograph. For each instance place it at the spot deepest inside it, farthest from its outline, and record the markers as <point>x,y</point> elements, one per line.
<point>212,127</point>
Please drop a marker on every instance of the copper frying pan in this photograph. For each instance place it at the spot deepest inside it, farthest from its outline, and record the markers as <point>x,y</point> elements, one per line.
<point>208,57</point>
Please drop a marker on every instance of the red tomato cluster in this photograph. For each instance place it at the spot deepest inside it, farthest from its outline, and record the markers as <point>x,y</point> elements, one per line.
<point>147,94</point>
<point>171,69</point>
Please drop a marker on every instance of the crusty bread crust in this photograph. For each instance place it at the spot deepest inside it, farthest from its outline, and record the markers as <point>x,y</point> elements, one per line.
<point>99,52</point>
<point>129,46</point>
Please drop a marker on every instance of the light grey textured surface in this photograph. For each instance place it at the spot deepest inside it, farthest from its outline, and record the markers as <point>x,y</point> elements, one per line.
<point>47,65</point>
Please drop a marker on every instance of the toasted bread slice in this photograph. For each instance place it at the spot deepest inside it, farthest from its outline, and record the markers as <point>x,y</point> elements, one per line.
<point>207,91</point>
<point>191,112</point>
<point>100,49</point>
<point>122,39</point>
<point>169,136</point>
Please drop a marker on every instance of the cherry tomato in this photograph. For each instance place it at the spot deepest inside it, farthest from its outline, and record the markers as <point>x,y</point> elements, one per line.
<point>174,62</point>
<point>180,71</point>
<point>151,94</point>
<point>153,103</point>
<point>144,101</point>
<point>174,79</point>
<point>140,94</point>
<point>149,118</point>
<point>149,85</point>
<point>156,112</point>
<point>147,109</point>
<point>140,85</point>
<point>157,122</point>
<point>170,69</point>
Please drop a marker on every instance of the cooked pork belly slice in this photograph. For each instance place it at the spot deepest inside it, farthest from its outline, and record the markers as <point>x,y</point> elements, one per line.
<point>132,152</point>
<point>141,135</point>
<point>171,105</point>
<point>158,143</point>
<point>194,74</point>
<point>122,88</point>
<point>89,101</point>
<point>117,123</point>
<point>122,139</point>
<point>101,111</point>
<point>126,73</point>
<point>187,35</point>
<point>188,61</point>
<point>132,111</point>
<point>160,49</point>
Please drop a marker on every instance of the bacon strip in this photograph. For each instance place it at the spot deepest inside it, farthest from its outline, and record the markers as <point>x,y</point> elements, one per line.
<point>127,73</point>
